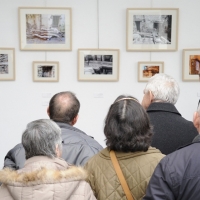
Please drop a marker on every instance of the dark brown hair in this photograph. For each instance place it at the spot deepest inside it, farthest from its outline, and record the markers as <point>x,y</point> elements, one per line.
<point>127,127</point>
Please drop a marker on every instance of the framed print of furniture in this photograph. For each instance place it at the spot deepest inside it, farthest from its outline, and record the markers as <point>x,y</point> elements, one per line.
<point>7,64</point>
<point>98,64</point>
<point>191,64</point>
<point>152,29</point>
<point>45,28</point>
<point>148,69</point>
<point>45,71</point>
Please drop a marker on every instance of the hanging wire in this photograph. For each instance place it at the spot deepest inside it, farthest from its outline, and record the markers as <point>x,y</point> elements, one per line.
<point>151,7</point>
<point>45,5</point>
<point>98,22</point>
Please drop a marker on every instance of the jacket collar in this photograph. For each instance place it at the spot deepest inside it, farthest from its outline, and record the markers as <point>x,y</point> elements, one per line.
<point>70,127</point>
<point>41,160</point>
<point>160,106</point>
<point>41,175</point>
<point>105,153</point>
<point>196,139</point>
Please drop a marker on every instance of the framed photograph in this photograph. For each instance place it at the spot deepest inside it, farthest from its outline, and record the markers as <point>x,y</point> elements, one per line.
<point>45,71</point>
<point>98,64</point>
<point>7,64</point>
<point>45,28</point>
<point>148,69</point>
<point>152,29</point>
<point>191,64</point>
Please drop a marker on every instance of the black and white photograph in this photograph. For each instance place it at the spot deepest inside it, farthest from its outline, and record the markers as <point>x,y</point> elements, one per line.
<point>98,64</point>
<point>3,63</point>
<point>45,28</point>
<point>45,71</point>
<point>152,29</point>
<point>148,69</point>
<point>7,64</point>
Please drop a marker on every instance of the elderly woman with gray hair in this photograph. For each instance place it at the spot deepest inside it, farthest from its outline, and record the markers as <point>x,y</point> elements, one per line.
<point>45,175</point>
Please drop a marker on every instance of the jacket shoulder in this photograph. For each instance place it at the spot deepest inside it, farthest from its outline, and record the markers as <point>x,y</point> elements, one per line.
<point>15,158</point>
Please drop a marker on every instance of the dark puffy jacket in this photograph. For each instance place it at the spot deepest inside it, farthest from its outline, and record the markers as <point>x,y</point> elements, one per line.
<point>177,176</point>
<point>77,148</point>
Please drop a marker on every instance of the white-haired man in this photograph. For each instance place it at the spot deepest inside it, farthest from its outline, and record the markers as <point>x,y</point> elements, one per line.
<point>177,176</point>
<point>171,130</point>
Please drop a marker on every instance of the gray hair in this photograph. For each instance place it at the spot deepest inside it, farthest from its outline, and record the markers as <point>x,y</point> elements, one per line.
<point>164,88</point>
<point>41,138</point>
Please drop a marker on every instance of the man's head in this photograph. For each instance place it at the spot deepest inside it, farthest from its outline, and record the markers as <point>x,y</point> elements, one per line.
<point>64,107</point>
<point>42,138</point>
<point>161,88</point>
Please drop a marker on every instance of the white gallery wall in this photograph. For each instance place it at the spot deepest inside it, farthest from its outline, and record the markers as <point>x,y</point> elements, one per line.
<point>95,24</point>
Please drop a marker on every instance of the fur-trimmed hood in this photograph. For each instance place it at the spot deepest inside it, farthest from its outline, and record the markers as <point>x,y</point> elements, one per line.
<point>45,178</point>
<point>41,176</point>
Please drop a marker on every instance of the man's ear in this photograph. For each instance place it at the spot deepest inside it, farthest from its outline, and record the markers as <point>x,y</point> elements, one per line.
<point>74,120</point>
<point>48,113</point>
<point>151,97</point>
<point>196,120</point>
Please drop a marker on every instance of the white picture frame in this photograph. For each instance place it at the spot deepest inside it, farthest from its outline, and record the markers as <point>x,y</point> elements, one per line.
<point>7,64</point>
<point>148,69</point>
<point>152,29</point>
<point>191,65</point>
<point>44,28</point>
<point>98,64</point>
<point>45,71</point>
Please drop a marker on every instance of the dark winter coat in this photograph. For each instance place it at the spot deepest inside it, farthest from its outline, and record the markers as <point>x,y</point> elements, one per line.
<point>171,130</point>
<point>177,176</point>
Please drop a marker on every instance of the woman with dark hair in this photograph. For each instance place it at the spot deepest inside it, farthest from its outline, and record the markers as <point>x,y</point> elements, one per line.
<point>128,133</point>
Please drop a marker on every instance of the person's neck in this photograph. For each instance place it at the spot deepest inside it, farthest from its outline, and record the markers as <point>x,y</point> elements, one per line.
<point>157,100</point>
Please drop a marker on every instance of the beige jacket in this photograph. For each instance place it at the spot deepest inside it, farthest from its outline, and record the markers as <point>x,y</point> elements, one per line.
<point>137,168</point>
<point>43,178</point>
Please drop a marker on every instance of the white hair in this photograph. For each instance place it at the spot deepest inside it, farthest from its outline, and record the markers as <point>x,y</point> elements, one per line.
<point>164,88</point>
